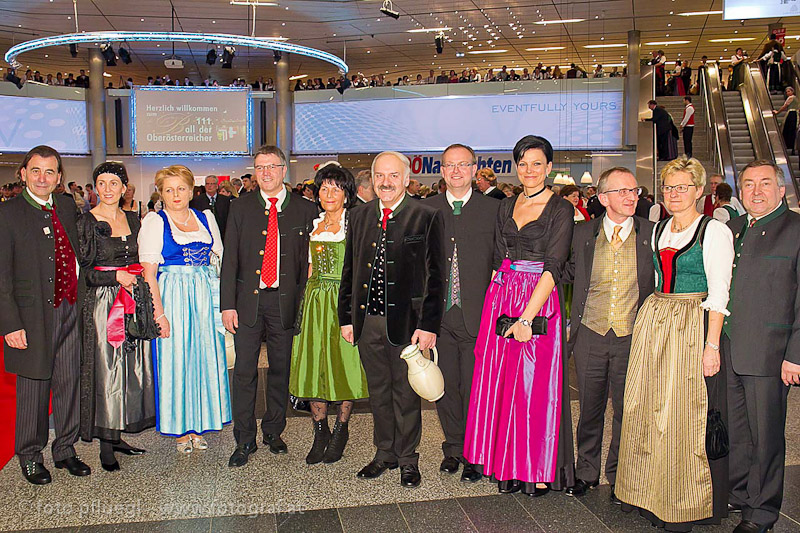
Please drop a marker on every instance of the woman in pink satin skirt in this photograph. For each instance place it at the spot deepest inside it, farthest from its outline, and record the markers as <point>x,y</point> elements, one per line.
<point>519,426</point>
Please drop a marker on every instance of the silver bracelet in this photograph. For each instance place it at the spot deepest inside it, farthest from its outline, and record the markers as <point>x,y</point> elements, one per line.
<point>526,323</point>
<point>712,346</point>
<point>159,317</point>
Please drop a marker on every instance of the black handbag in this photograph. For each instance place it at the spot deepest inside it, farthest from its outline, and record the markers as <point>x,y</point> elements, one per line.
<point>717,443</point>
<point>504,323</point>
<point>141,325</point>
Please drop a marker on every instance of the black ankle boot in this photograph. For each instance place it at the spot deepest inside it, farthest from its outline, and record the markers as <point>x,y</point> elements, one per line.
<point>337,444</point>
<point>322,435</point>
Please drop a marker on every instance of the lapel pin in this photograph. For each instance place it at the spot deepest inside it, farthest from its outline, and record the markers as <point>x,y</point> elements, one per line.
<point>46,230</point>
<point>763,233</point>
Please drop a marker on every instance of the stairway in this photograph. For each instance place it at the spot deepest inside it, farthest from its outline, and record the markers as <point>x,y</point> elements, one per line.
<point>777,102</point>
<point>700,142</point>
<point>741,144</point>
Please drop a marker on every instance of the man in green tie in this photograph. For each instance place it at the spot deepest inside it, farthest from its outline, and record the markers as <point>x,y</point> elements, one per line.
<point>469,235</point>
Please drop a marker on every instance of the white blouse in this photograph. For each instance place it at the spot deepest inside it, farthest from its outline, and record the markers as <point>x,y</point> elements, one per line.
<point>326,236</point>
<point>151,236</point>
<point>718,257</point>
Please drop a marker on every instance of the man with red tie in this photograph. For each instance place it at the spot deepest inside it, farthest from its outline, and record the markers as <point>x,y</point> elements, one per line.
<point>393,294</point>
<point>40,288</point>
<point>264,271</point>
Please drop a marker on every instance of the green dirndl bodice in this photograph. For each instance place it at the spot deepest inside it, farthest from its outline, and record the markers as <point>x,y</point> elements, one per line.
<point>324,365</point>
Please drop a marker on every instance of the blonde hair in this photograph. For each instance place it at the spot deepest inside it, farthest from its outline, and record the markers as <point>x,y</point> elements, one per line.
<point>488,174</point>
<point>174,171</point>
<point>228,186</point>
<point>689,165</point>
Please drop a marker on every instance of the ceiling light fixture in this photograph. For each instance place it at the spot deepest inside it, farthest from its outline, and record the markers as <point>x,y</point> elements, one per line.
<point>665,43</point>
<point>252,3</point>
<point>558,21</point>
<point>605,45</point>
<point>429,30</point>
<point>298,77</point>
<point>498,51</point>
<point>439,42</point>
<point>698,13</point>
<point>732,40</point>
<point>388,10</point>
<point>211,57</point>
<point>545,49</point>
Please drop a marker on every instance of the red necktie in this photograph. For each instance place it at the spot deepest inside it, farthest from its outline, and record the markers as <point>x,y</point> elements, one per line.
<point>269,267</point>
<point>66,286</point>
<point>386,213</point>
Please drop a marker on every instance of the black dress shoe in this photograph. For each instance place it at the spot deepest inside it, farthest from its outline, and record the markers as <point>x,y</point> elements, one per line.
<point>538,492</point>
<point>614,498</point>
<point>470,473</point>
<point>74,466</point>
<point>36,473</point>
<point>508,486</point>
<point>410,476</point>
<point>375,468</point>
<point>128,450</point>
<point>449,465</point>
<point>581,487</point>
<point>733,508</point>
<point>110,467</point>
<point>746,526</point>
<point>241,454</point>
<point>275,443</point>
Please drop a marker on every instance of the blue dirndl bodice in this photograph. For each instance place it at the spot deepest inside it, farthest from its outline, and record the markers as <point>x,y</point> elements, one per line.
<point>191,254</point>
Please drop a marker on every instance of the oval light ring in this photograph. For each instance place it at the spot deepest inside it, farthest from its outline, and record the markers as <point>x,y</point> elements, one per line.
<point>164,36</point>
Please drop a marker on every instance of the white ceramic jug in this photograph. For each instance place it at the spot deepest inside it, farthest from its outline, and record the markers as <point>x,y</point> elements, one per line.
<point>424,375</point>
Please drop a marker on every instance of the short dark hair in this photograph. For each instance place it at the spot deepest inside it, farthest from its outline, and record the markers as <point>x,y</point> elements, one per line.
<point>530,142</point>
<point>566,190</point>
<point>42,151</point>
<point>724,192</point>
<point>111,167</point>
<point>339,176</point>
<point>269,149</point>
<point>652,102</point>
<point>688,98</point>
<point>465,147</point>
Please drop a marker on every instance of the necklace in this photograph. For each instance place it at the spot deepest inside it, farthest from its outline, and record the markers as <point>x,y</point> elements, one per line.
<point>534,194</point>
<point>185,221</point>
<point>326,223</point>
<point>677,228</point>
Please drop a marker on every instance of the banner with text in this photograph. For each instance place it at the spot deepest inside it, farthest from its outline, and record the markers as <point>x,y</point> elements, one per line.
<point>570,120</point>
<point>28,122</point>
<point>183,121</point>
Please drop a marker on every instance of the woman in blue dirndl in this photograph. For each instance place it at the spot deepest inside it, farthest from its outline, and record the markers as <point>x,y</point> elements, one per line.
<point>176,246</point>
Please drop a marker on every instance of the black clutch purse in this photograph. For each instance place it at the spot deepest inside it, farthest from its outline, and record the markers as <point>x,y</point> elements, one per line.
<point>504,323</point>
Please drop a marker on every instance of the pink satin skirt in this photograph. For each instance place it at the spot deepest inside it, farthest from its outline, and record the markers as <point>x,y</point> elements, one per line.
<point>515,403</point>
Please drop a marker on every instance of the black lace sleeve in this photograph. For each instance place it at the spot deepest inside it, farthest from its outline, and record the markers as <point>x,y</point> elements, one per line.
<point>90,233</point>
<point>559,239</point>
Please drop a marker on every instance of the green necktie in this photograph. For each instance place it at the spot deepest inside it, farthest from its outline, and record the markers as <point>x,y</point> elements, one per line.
<point>457,206</point>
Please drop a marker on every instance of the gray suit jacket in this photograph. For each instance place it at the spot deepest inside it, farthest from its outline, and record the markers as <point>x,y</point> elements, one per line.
<point>581,260</point>
<point>764,325</point>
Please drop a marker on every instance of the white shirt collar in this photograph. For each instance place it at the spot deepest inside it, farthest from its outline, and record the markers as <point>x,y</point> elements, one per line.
<point>451,198</point>
<point>490,189</point>
<point>39,200</point>
<point>392,207</point>
<point>281,196</point>
<point>608,228</point>
<point>749,217</point>
<point>211,196</point>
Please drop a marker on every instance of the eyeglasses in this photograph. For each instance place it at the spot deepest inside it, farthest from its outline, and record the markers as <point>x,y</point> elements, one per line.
<point>461,164</point>
<point>267,168</point>
<point>680,189</point>
<point>625,192</point>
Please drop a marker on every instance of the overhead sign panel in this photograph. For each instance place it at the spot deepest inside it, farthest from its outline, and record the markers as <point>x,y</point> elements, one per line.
<point>191,121</point>
<point>28,122</point>
<point>750,9</point>
<point>570,120</point>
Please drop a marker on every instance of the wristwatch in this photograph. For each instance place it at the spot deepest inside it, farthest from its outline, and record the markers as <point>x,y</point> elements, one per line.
<point>526,323</point>
<point>712,346</point>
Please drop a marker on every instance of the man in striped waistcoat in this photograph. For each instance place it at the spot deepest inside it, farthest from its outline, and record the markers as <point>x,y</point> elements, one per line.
<point>611,266</point>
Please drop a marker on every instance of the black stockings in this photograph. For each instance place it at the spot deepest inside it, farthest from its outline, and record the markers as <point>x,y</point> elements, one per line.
<point>319,411</point>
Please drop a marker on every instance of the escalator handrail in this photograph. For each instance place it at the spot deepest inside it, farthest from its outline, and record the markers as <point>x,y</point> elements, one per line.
<point>767,123</point>
<point>718,123</point>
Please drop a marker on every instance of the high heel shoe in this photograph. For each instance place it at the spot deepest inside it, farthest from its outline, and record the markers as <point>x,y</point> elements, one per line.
<point>184,447</point>
<point>110,467</point>
<point>199,442</point>
<point>322,436</point>
<point>337,443</point>
<point>508,486</point>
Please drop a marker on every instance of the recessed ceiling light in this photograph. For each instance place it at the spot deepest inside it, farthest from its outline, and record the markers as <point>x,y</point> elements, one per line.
<point>496,51</point>
<point>298,77</point>
<point>665,43</point>
<point>732,39</point>
<point>547,49</point>
<point>620,45</point>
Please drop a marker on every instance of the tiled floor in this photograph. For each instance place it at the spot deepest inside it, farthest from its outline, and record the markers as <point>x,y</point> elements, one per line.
<point>161,491</point>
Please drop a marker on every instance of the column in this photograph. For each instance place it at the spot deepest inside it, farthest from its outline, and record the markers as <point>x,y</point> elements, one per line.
<point>283,105</point>
<point>96,107</point>
<point>631,131</point>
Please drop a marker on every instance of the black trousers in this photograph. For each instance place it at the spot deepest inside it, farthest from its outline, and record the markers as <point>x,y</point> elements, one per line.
<point>601,362</point>
<point>756,428</point>
<point>457,363</point>
<point>245,371</point>
<point>688,133</point>
<point>33,395</point>
<point>395,406</point>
